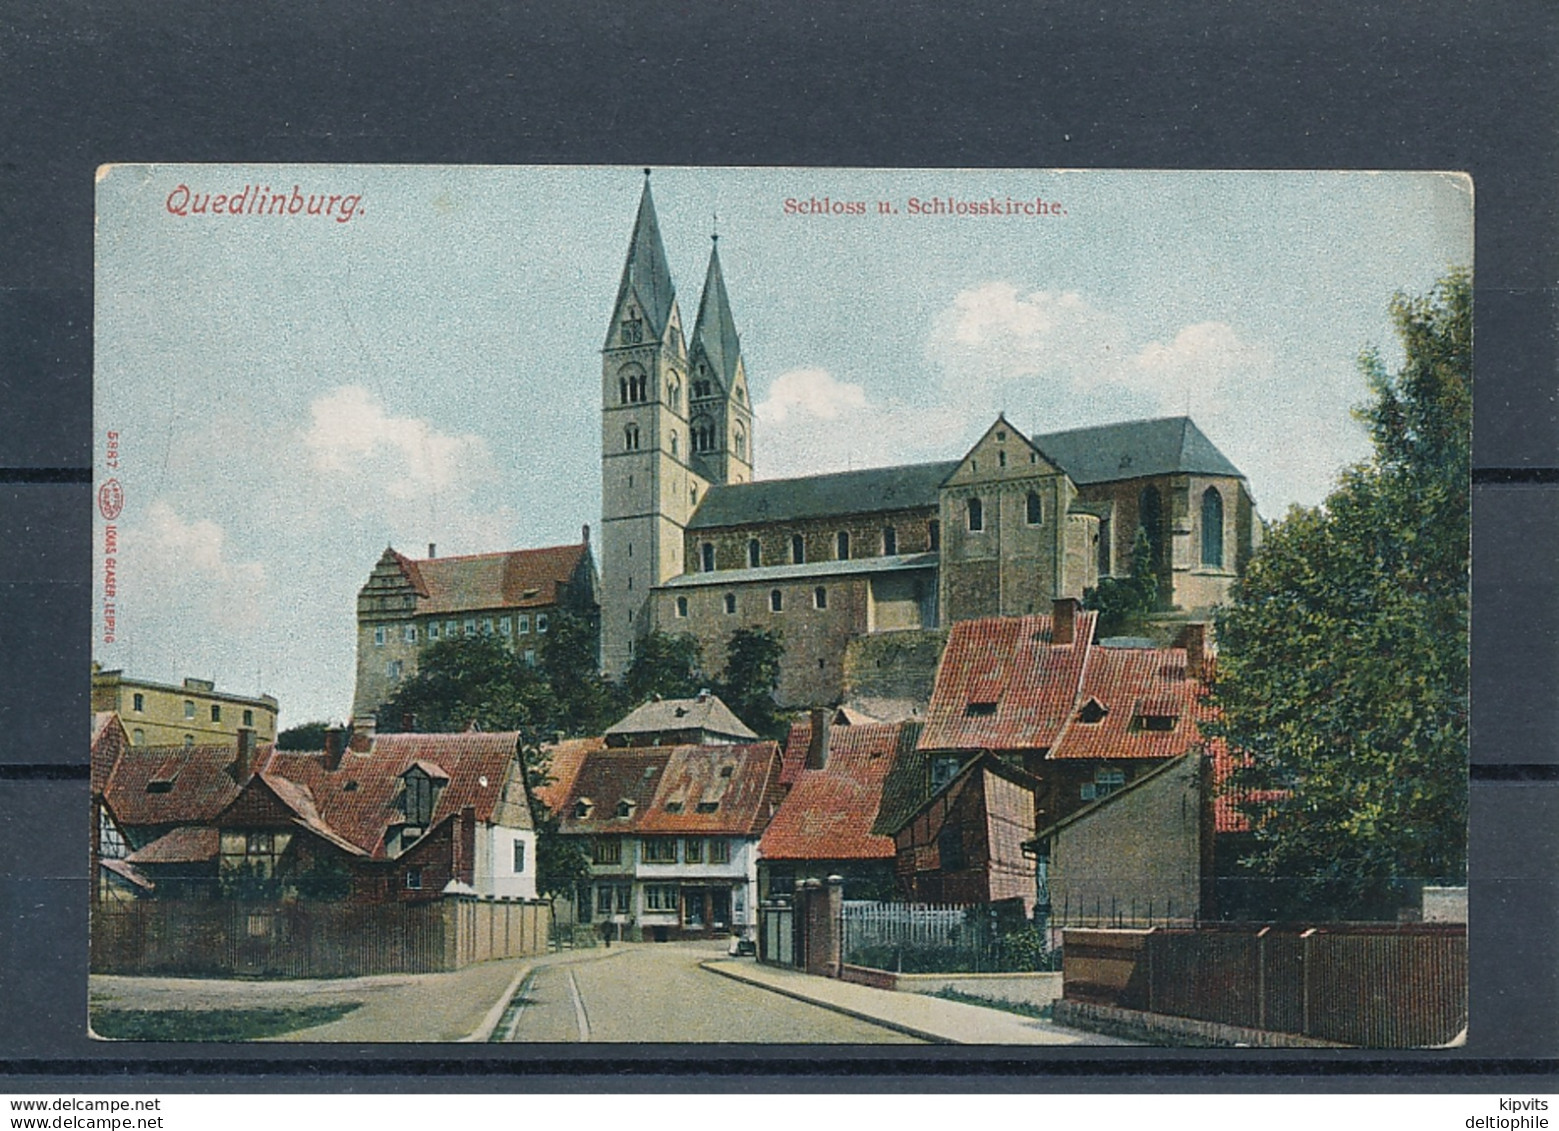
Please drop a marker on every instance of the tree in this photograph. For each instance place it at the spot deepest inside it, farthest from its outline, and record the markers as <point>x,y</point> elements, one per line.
<point>571,663</point>
<point>304,736</point>
<point>1342,667</point>
<point>752,671</point>
<point>467,680</point>
<point>671,667</point>
<point>1121,600</point>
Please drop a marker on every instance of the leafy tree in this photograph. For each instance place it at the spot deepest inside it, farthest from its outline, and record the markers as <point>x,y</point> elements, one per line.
<point>1121,600</point>
<point>325,877</point>
<point>752,671</point>
<point>471,679</point>
<point>570,661</point>
<point>671,667</point>
<point>1342,670</point>
<point>305,736</point>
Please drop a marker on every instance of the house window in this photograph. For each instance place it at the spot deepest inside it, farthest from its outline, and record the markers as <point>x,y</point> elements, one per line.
<point>522,625</point>
<point>433,630</point>
<point>606,850</point>
<point>1212,528</point>
<point>189,708</point>
<point>450,628</point>
<point>1036,509</point>
<point>519,857</point>
<point>820,598</point>
<point>776,601</point>
<point>139,702</point>
<point>719,852</point>
<point>660,897</point>
<point>413,879</point>
<point>505,626</point>
<point>660,850</point>
<point>378,635</point>
<point>409,634</point>
<point>1156,722</point>
<point>693,850</point>
<point>110,841</point>
<point>975,512</point>
<point>934,534</point>
<point>890,541</point>
<point>754,554</point>
<point>944,768</point>
<point>216,712</point>
<point>798,549</point>
<point>842,546</point>
<point>950,849</point>
<point>248,718</point>
<point>541,622</point>
<point>471,626</point>
<point>1105,782</point>
<point>730,602</point>
<point>706,554</point>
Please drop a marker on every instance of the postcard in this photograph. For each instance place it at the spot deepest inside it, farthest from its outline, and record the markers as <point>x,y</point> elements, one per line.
<point>839,606</point>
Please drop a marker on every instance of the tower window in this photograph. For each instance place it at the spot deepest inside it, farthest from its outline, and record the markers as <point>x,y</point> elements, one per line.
<point>842,546</point>
<point>707,557</point>
<point>890,541</point>
<point>703,435</point>
<point>975,511</point>
<point>1212,528</point>
<point>674,395</point>
<point>934,534</point>
<point>776,601</point>
<point>754,553</point>
<point>674,451</point>
<point>741,444</point>
<point>730,602</point>
<point>820,598</point>
<point>1036,509</point>
<point>631,438</point>
<point>798,549</point>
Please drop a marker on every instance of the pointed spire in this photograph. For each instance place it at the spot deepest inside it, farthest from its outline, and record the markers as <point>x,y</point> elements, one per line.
<point>715,329</point>
<point>646,273</point>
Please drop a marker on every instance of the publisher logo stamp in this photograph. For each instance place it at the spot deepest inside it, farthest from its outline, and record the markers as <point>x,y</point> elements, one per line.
<point>110,500</point>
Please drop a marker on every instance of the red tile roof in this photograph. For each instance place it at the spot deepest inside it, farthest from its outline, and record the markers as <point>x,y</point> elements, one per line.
<point>1131,684</point>
<point>1008,662</point>
<point>511,579</point>
<point>829,814</point>
<point>565,760</point>
<point>192,784</point>
<point>356,802</point>
<point>1227,813</point>
<point>188,844</point>
<point>108,739</point>
<point>740,782</point>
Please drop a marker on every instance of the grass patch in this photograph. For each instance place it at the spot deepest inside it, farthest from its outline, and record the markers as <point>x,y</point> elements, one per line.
<point>212,1024</point>
<point>1022,1008</point>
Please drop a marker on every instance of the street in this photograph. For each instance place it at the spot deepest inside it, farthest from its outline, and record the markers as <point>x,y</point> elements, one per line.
<point>650,992</point>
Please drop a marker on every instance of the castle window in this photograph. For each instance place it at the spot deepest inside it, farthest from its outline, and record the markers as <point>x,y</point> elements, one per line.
<point>1212,528</point>
<point>754,553</point>
<point>189,740</point>
<point>820,598</point>
<point>934,534</point>
<point>975,511</point>
<point>798,549</point>
<point>890,541</point>
<point>248,718</point>
<point>471,627</point>
<point>631,438</point>
<point>1033,457</point>
<point>450,628</point>
<point>707,556</point>
<point>522,624</point>
<point>730,602</point>
<point>487,626</point>
<point>189,704</point>
<point>393,669</point>
<point>409,634</point>
<point>530,656</point>
<point>378,642</point>
<point>433,630</point>
<point>701,390</point>
<point>842,546</point>
<point>541,622</point>
<point>505,626</point>
<point>1036,509</point>
<point>139,702</point>
<point>622,390</point>
<point>776,601</point>
<point>681,606</point>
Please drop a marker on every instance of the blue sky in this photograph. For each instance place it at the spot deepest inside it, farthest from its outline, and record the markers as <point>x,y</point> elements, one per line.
<point>294,393</point>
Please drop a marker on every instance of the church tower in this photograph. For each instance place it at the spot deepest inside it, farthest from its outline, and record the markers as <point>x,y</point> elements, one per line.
<point>650,480</point>
<point>719,411</point>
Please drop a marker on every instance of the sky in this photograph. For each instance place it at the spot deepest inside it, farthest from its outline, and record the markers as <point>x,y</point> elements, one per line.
<point>300,384</point>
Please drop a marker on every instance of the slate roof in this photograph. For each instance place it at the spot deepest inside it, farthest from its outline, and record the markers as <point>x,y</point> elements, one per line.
<point>1133,448</point>
<point>188,844</point>
<point>650,778</point>
<point>659,716</point>
<point>907,487</point>
<point>510,579</point>
<point>850,567</point>
<point>645,272</point>
<point>564,761</point>
<point>714,331</point>
<point>1007,662</point>
<point>172,785</point>
<point>834,813</point>
<point>357,802</point>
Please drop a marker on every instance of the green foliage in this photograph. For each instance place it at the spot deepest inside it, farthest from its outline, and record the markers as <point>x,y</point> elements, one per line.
<point>213,1024</point>
<point>1119,601</point>
<point>466,680</point>
<point>305,736</point>
<point>325,878</point>
<point>752,671</point>
<point>1342,668</point>
<point>571,662</point>
<point>561,862</point>
<point>249,882</point>
<point>671,667</point>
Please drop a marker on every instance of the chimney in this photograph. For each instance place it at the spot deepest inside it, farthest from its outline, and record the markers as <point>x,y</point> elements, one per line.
<point>363,729</point>
<point>817,744</point>
<point>1193,638</point>
<point>335,745</point>
<point>432,550</point>
<point>246,750</point>
<point>1063,621</point>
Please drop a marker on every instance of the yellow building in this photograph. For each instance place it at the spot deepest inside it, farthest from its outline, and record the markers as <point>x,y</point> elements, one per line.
<point>193,713</point>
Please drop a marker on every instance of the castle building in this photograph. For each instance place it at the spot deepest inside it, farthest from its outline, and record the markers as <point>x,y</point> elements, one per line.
<point>692,543</point>
<point>188,714</point>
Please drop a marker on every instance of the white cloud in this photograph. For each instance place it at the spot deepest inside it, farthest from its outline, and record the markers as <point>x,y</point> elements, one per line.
<point>994,334</point>
<point>192,558</point>
<point>810,394</point>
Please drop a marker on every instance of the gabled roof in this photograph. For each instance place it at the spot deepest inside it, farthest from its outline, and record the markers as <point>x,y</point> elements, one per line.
<point>510,579</point>
<point>645,271</point>
<point>108,739</point>
<point>172,785</point>
<point>833,813</point>
<point>675,790</point>
<point>714,331</point>
<point>358,801</point>
<point>982,763</point>
<point>661,716</point>
<point>188,844</point>
<point>907,487</point>
<point>564,760</point>
<point>1002,685</point>
<point>1133,448</point>
<point>1109,799</point>
<point>1133,684</point>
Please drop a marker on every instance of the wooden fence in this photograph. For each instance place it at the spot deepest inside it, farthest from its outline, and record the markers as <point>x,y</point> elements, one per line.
<point>311,940</point>
<point>1372,986</point>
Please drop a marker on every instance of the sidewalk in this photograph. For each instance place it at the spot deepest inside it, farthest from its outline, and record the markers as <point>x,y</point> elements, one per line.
<point>918,1015</point>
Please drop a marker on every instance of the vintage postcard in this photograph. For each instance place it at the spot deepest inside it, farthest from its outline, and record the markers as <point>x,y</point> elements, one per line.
<point>556,604</point>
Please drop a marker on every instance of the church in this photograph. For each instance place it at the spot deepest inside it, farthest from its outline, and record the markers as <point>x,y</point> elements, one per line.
<point>860,571</point>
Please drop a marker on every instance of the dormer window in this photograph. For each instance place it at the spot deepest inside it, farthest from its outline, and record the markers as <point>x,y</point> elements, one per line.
<point>417,797</point>
<point>583,808</point>
<point>1093,711</point>
<point>625,809</point>
<point>673,806</point>
<point>980,710</point>
<point>1156,722</point>
<point>708,806</point>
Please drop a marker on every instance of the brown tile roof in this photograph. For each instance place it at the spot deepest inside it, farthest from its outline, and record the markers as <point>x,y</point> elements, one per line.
<point>1002,685</point>
<point>511,579</point>
<point>704,712</point>
<point>172,785</point>
<point>1131,684</point>
<point>735,786</point>
<point>108,739</point>
<point>188,844</point>
<point>832,813</point>
<point>356,802</point>
<point>564,761</point>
